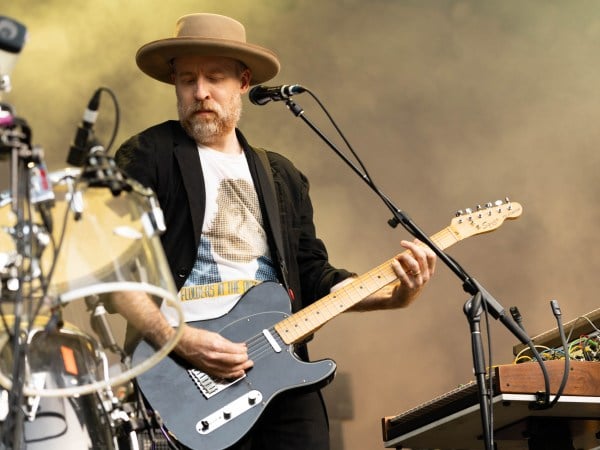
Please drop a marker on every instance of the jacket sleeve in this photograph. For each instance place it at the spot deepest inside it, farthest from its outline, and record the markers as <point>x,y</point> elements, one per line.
<point>137,158</point>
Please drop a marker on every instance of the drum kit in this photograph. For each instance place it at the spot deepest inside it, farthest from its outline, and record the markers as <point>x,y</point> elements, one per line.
<point>69,241</point>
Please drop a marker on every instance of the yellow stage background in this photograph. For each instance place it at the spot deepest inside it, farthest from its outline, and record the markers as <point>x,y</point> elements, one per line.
<point>449,103</point>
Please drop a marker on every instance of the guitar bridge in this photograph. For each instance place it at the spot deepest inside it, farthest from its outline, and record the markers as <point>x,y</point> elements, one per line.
<point>209,386</point>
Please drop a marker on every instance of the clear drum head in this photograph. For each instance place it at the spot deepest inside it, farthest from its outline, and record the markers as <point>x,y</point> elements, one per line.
<point>94,242</point>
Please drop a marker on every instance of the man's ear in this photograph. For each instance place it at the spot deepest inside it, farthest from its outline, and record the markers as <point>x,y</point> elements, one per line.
<point>245,80</point>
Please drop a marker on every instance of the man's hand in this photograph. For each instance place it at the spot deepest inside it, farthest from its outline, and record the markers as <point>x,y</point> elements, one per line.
<point>208,351</point>
<point>414,268</point>
<point>213,354</point>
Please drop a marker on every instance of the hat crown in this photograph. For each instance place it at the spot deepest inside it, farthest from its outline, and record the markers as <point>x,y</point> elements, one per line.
<point>206,34</point>
<point>210,26</point>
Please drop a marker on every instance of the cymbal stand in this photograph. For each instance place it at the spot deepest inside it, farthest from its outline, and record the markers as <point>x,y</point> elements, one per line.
<point>22,273</point>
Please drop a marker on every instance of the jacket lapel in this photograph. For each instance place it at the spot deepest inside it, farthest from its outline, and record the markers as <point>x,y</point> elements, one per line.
<point>186,153</point>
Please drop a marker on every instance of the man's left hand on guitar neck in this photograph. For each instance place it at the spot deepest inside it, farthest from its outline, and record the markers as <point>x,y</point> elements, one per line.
<point>413,267</point>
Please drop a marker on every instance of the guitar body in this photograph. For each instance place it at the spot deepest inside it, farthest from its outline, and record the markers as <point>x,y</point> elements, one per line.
<point>223,418</point>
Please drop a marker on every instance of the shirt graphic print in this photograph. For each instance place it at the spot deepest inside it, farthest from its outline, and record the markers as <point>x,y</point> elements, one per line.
<point>233,253</point>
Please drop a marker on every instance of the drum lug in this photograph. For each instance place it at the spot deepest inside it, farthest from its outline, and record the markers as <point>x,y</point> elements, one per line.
<point>153,221</point>
<point>33,403</point>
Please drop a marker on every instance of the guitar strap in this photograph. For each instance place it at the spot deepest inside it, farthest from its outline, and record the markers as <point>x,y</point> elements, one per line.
<point>268,190</point>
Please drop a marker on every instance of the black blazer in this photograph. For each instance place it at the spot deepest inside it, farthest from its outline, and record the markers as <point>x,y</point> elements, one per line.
<point>166,159</point>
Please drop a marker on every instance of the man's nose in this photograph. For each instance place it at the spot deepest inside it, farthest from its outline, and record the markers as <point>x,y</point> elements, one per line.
<point>202,91</point>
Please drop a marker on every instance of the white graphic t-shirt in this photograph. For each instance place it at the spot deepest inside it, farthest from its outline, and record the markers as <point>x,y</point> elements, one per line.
<point>233,254</point>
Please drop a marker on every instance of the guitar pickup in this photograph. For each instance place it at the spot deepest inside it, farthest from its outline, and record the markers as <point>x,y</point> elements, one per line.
<point>228,412</point>
<point>209,386</point>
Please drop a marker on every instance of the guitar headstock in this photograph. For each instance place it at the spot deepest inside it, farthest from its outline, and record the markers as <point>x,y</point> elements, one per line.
<point>484,219</point>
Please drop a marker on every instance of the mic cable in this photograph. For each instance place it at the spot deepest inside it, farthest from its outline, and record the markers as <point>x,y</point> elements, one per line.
<point>557,313</point>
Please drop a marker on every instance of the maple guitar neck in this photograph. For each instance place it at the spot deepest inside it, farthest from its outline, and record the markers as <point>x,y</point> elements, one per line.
<point>305,322</point>
<point>300,325</point>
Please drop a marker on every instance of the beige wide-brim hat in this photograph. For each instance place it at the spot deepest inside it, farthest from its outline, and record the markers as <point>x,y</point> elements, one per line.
<point>206,35</point>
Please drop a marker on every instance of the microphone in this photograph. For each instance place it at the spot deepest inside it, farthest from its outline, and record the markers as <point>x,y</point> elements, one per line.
<point>260,95</point>
<point>85,132</point>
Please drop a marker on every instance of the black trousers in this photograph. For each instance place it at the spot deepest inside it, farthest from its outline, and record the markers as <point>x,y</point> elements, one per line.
<point>292,421</point>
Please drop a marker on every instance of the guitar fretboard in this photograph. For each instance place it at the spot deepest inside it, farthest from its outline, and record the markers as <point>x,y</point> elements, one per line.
<point>303,323</point>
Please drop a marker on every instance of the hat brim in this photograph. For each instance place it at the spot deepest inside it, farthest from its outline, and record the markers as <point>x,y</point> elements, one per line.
<point>154,58</point>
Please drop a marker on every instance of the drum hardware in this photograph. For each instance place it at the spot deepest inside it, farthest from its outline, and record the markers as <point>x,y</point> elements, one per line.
<point>80,421</point>
<point>5,199</point>
<point>102,171</point>
<point>3,404</point>
<point>32,403</point>
<point>35,238</point>
<point>5,84</point>
<point>125,432</point>
<point>99,323</point>
<point>149,426</point>
<point>10,282</point>
<point>153,220</point>
<point>77,234</point>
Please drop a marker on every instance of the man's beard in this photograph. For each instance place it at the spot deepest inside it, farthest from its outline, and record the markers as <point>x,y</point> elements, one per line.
<point>207,130</point>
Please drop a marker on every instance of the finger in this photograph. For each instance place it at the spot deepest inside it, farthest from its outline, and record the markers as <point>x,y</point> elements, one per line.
<point>424,258</point>
<point>227,367</point>
<point>221,345</point>
<point>216,353</point>
<point>403,272</point>
<point>410,260</point>
<point>237,371</point>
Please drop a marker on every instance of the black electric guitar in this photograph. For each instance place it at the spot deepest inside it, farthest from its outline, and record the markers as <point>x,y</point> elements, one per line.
<point>212,414</point>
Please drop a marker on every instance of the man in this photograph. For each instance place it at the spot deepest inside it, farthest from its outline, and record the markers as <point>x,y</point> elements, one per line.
<point>235,218</point>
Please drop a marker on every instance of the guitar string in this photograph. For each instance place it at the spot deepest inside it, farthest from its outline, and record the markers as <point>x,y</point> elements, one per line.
<point>258,345</point>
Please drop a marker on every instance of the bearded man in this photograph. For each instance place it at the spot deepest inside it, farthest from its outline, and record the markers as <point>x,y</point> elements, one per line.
<point>237,216</point>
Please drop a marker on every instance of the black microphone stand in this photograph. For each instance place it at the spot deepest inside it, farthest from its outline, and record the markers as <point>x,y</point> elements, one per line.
<point>473,307</point>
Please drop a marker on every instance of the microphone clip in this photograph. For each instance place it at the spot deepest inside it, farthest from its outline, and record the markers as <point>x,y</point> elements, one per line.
<point>85,139</point>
